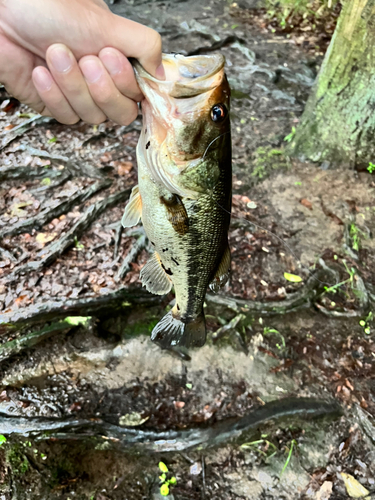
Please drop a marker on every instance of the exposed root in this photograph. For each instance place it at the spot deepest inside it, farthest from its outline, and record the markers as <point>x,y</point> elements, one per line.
<point>51,252</point>
<point>49,213</point>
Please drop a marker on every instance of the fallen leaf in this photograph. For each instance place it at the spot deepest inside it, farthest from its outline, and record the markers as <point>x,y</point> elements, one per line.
<point>16,208</point>
<point>292,277</point>
<point>306,203</point>
<point>132,419</point>
<point>123,167</point>
<point>43,238</point>
<point>9,127</point>
<point>353,487</point>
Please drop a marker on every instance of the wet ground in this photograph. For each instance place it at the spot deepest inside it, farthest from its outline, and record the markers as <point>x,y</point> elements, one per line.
<point>75,392</point>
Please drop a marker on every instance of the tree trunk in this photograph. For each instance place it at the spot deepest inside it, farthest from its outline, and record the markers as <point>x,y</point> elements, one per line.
<point>338,123</point>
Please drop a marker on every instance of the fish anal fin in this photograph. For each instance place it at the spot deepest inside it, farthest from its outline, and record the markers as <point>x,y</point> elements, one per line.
<point>133,209</point>
<point>153,276</point>
<point>222,273</point>
<point>171,331</point>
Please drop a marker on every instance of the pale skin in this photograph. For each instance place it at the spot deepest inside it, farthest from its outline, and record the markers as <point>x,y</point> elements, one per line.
<point>69,59</point>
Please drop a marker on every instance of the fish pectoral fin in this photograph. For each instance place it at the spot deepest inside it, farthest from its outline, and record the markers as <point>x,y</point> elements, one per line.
<point>176,213</point>
<point>171,331</point>
<point>133,209</point>
<point>222,273</point>
<point>154,278</point>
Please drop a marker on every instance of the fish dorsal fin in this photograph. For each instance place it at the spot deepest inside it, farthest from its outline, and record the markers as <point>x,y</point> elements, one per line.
<point>222,273</point>
<point>133,209</point>
<point>154,278</point>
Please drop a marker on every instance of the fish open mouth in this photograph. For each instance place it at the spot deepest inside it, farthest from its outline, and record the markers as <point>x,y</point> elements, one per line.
<point>186,76</point>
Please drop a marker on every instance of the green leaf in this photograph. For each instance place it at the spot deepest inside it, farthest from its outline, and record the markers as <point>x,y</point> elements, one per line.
<point>290,136</point>
<point>163,467</point>
<point>362,322</point>
<point>78,244</point>
<point>164,490</point>
<point>3,439</point>
<point>77,320</point>
<point>172,480</point>
<point>46,181</point>
<point>53,139</point>
<point>292,277</point>
<point>294,442</point>
<point>163,478</point>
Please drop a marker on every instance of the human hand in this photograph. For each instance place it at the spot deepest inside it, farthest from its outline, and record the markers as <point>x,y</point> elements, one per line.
<point>46,75</point>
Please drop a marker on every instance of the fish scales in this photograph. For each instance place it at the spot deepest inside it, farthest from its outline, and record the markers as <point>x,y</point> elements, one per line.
<point>184,191</point>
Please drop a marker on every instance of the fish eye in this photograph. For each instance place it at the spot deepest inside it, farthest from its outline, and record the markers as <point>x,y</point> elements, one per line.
<point>218,113</point>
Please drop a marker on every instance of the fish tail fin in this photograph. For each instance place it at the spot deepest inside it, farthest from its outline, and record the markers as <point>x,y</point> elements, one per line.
<point>171,331</point>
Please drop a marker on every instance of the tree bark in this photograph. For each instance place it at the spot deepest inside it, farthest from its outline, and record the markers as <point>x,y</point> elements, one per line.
<point>338,123</point>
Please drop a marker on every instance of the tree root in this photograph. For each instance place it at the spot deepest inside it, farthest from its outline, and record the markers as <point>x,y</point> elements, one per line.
<point>11,173</point>
<point>49,213</point>
<point>148,441</point>
<point>340,314</point>
<point>85,306</point>
<point>9,349</point>
<point>49,254</point>
<point>304,297</point>
<point>21,129</point>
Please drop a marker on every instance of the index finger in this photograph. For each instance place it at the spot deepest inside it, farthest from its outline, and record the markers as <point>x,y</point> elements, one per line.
<point>138,41</point>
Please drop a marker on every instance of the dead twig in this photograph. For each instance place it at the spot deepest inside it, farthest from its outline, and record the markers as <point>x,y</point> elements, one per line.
<point>118,235</point>
<point>232,325</point>
<point>136,248</point>
<point>203,478</point>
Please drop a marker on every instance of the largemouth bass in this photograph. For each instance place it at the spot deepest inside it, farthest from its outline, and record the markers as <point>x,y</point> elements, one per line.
<point>184,189</point>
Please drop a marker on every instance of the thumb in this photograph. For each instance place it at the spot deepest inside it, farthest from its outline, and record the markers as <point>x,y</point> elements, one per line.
<point>135,40</point>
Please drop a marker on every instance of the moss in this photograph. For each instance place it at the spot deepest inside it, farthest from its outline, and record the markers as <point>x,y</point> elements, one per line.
<point>142,326</point>
<point>268,159</point>
<point>16,459</point>
<point>338,123</point>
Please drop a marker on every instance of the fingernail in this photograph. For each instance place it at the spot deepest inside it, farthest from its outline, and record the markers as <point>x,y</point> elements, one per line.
<point>91,69</point>
<point>160,73</point>
<point>112,62</point>
<point>61,59</point>
<point>42,79</point>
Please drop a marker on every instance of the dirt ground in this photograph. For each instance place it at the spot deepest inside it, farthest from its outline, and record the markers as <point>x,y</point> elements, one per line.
<point>280,402</point>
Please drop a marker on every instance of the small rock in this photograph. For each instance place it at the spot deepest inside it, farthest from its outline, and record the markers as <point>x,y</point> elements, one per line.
<point>325,491</point>
<point>196,469</point>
